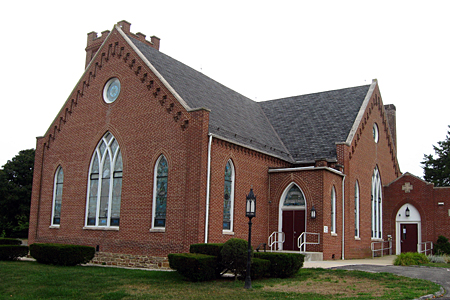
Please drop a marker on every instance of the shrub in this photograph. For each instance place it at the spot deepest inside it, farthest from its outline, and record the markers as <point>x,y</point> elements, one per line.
<point>260,268</point>
<point>410,258</point>
<point>61,254</point>
<point>194,266</point>
<point>210,249</point>
<point>234,255</point>
<point>8,241</point>
<point>444,258</point>
<point>282,265</point>
<point>12,252</point>
<point>442,245</point>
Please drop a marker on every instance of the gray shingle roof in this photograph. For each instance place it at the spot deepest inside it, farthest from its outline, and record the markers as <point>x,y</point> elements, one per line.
<point>300,128</point>
<point>311,125</point>
<point>233,116</point>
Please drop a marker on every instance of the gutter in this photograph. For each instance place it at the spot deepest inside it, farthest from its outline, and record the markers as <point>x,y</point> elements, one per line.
<point>208,192</point>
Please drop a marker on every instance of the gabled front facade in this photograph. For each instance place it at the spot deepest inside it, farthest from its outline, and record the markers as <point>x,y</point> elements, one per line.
<point>148,156</point>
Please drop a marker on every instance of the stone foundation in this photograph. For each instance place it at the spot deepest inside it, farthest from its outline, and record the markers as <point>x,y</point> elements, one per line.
<point>130,261</point>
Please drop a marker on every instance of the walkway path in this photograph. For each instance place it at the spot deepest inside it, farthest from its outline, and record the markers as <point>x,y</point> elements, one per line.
<point>440,276</point>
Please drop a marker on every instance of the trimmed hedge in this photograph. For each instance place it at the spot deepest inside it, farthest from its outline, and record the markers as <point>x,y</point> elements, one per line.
<point>260,268</point>
<point>282,265</point>
<point>234,255</point>
<point>12,252</point>
<point>8,241</point>
<point>442,245</point>
<point>210,249</point>
<point>194,266</point>
<point>61,254</point>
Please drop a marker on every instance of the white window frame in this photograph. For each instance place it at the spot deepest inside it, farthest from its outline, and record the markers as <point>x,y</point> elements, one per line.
<point>376,206</point>
<point>357,198</point>
<point>155,187</point>
<point>113,158</point>
<point>55,188</point>
<point>333,211</point>
<point>233,174</point>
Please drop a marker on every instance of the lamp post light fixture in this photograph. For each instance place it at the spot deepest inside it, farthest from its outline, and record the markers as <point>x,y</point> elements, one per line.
<point>313,213</point>
<point>249,213</point>
<point>407,212</point>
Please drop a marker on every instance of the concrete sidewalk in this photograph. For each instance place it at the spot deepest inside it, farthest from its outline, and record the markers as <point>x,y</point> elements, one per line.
<point>326,264</point>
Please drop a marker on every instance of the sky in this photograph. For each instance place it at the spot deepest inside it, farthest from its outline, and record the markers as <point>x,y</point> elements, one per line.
<point>262,49</point>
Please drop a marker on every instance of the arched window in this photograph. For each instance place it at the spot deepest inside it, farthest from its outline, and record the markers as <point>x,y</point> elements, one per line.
<point>57,197</point>
<point>105,184</point>
<point>357,209</point>
<point>228,197</point>
<point>160,193</point>
<point>333,210</point>
<point>377,217</point>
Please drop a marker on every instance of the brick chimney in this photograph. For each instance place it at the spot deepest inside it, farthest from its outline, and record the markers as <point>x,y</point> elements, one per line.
<point>94,42</point>
<point>391,119</point>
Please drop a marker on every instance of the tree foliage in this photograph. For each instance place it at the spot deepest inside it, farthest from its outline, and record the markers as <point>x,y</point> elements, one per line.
<point>16,179</point>
<point>436,168</point>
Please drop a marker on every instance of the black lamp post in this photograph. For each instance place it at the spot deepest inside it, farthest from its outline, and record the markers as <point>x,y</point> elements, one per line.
<point>249,213</point>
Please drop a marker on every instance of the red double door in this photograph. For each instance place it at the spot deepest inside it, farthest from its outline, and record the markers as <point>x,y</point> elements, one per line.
<point>293,227</point>
<point>408,237</point>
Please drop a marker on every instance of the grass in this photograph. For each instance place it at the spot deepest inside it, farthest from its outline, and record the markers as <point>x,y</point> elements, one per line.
<point>30,280</point>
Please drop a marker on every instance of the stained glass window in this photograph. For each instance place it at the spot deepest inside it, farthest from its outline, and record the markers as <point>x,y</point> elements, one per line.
<point>333,210</point>
<point>105,184</point>
<point>57,196</point>
<point>376,198</point>
<point>356,209</point>
<point>294,197</point>
<point>160,193</point>
<point>228,197</point>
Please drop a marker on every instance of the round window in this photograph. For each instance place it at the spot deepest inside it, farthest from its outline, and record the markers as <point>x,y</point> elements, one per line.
<point>111,90</point>
<point>375,132</point>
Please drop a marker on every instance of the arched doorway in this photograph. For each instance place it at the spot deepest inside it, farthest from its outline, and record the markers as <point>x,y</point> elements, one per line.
<point>408,229</point>
<point>292,218</point>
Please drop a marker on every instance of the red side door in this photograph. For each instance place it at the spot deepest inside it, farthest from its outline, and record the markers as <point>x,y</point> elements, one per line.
<point>409,237</point>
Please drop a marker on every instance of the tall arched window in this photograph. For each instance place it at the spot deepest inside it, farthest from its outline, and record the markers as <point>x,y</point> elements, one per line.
<point>57,197</point>
<point>228,197</point>
<point>357,209</point>
<point>377,216</point>
<point>160,193</point>
<point>333,210</point>
<point>105,184</point>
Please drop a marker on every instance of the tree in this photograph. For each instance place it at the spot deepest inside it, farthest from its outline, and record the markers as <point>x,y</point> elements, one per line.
<point>437,170</point>
<point>16,179</point>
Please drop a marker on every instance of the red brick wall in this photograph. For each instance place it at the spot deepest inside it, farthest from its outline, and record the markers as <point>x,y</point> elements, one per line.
<point>146,126</point>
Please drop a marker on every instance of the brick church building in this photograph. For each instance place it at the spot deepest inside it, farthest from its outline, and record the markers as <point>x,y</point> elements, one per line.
<point>148,156</point>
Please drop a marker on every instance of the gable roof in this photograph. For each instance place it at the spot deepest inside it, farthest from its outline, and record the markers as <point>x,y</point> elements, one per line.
<point>295,129</point>
<point>233,116</point>
<point>311,125</point>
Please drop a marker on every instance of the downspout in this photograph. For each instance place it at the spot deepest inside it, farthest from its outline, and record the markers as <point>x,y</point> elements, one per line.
<point>343,217</point>
<point>208,181</point>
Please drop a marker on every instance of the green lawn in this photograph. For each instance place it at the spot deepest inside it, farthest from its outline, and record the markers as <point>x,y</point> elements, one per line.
<point>30,280</point>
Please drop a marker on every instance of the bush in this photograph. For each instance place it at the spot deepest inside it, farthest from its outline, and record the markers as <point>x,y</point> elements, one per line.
<point>61,254</point>
<point>12,252</point>
<point>210,249</point>
<point>282,265</point>
<point>8,241</point>
<point>194,266</point>
<point>410,258</point>
<point>442,245</point>
<point>444,258</point>
<point>234,255</point>
<point>260,268</point>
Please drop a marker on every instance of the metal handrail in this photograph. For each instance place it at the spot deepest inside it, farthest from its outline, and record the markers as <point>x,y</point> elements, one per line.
<point>382,247</point>
<point>277,237</point>
<point>419,247</point>
<point>301,241</point>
